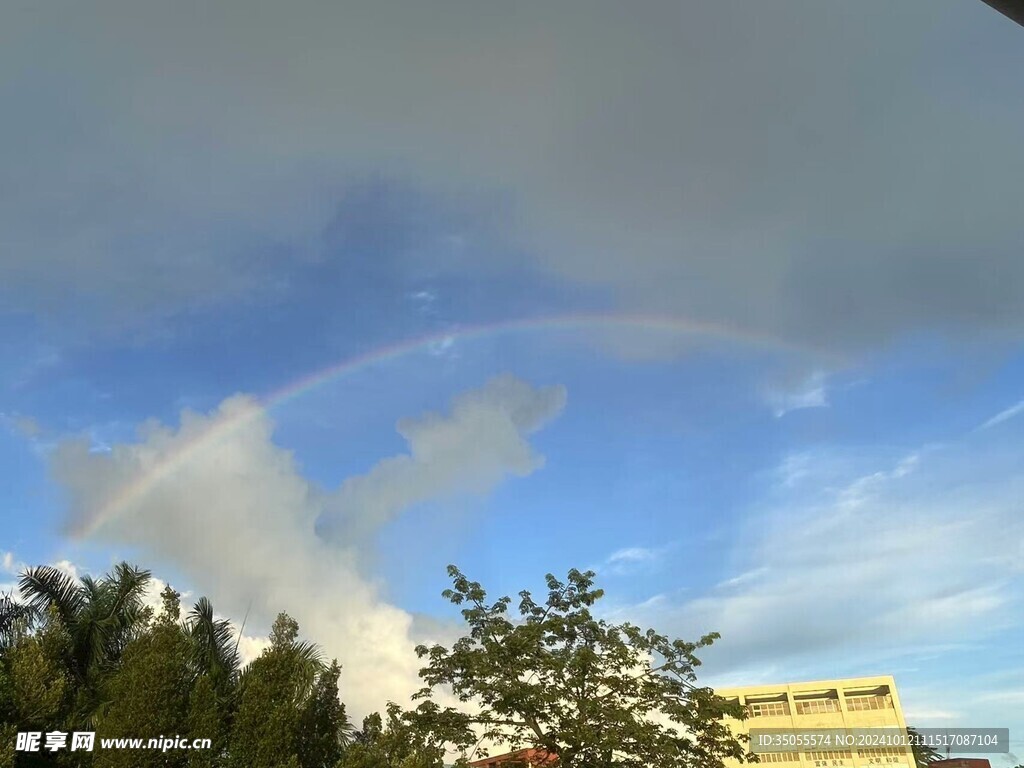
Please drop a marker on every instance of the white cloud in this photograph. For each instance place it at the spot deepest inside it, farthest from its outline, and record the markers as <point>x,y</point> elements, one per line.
<point>866,488</point>
<point>744,578</point>
<point>11,567</point>
<point>8,563</point>
<point>632,555</point>
<point>922,715</point>
<point>232,512</point>
<point>1013,697</point>
<point>630,560</point>
<point>793,469</point>
<point>810,393</point>
<point>67,568</point>
<point>854,569</point>
<point>1004,415</point>
<point>965,700</point>
<point>444,347</point>
<point>249,647</point>
<point>922,551</point>
<point>469,450</point>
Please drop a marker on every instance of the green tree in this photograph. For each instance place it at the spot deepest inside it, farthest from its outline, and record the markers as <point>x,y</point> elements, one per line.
<point>37,681</point>
<point>35,690</point>
<point>208,718</point>
<point>214,652</point>
<point>323,725</point>
<point>274,689</point>
<point>15,620</point>
<point>924,754</point>
<point>99,617</point>
<point>213,660</point>
<point>400,743</point>
<point>147,696</point>
<point>88,655</point>
<point>593,693</point>
<point>215,668</point>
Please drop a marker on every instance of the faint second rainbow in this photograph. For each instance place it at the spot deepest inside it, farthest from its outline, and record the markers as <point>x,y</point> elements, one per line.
<point>132,492</point>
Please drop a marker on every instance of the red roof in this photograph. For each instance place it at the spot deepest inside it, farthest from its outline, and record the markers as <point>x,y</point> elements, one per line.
<point>528,757</point>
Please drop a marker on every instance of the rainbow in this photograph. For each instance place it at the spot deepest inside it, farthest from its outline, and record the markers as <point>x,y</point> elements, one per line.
<point>133,492</point>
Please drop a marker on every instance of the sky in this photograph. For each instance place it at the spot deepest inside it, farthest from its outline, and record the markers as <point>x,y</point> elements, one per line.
<point>300,303</point>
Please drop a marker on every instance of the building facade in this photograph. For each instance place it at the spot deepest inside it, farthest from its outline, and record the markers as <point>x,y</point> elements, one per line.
<point>865,702</point>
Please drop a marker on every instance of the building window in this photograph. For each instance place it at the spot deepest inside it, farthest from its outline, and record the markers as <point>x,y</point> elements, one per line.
<point>778,757</point>
<point>817,706</point>
<point>768,708</point>
<point>834,754</point>
<point>865,703</point>
<point>882,752</point>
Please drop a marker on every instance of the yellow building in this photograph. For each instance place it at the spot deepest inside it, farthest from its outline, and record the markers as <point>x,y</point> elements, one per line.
<point>858,703</point>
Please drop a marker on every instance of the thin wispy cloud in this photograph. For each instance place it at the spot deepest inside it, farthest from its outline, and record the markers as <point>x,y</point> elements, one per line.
<point>631,560</point>
<point>812,392</point>
<point>1004,415</point>
<point>822,565</point>
<point>633,555</point>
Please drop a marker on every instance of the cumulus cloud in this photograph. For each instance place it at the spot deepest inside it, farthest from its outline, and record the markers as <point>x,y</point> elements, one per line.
<point>10,568</point>
<point>723,161</point>
<point>469,450</point>
<point>249,647</point>
<point>232,511</point>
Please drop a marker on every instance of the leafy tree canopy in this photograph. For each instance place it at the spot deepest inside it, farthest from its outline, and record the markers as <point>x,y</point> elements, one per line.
<point>148,694</point>
<point>404,740</point>
<point>277,723</point>
<point>593,693</point>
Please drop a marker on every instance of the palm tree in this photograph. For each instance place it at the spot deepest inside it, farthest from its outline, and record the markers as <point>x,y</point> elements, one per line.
<point>98,616</point>
<point>303,660</point>
<point>214,651</point>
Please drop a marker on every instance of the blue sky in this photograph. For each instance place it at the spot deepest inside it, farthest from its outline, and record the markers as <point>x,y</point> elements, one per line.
<point>199,213</point>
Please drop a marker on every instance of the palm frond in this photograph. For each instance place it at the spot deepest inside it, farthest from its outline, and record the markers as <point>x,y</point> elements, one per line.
<point>214,651</point>
<point>309,662</point>
<point>305,660</point>
<point>127,585</point>
<point>45,586</point>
